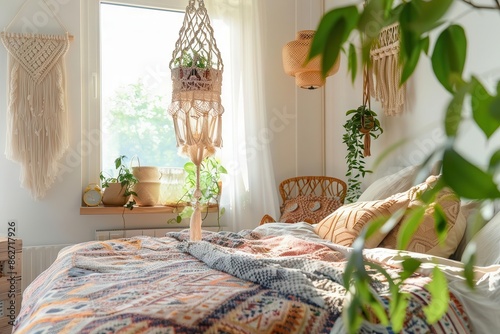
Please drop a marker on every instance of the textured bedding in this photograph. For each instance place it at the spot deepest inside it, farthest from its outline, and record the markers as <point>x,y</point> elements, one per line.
<point>268,280</point>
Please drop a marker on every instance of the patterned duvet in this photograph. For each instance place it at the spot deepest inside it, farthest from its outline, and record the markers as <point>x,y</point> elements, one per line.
<point>247,282</point>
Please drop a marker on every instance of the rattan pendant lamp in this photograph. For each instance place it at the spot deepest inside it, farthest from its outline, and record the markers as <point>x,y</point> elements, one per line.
<point>196,69</point>
<point>307,75</point>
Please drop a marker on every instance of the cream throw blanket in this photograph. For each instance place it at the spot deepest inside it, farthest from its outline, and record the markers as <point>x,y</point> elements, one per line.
<point>37,129</point>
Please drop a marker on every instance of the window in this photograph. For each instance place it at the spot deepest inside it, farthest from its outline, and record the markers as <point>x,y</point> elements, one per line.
<point>130,45</point>
<point>136,86</point>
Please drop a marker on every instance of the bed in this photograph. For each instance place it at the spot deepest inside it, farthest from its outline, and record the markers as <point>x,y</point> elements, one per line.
<point>276,278</point>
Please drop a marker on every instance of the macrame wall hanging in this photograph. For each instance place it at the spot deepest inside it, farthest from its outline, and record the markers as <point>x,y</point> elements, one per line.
<point>196,69</point>
<point>37,130</point>
<point>386,71</point>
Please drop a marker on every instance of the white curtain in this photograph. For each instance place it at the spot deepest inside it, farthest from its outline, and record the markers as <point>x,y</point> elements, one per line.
<point>250,190</point>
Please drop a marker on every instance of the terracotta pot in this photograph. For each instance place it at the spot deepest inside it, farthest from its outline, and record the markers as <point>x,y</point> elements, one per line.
<point>114,195</point>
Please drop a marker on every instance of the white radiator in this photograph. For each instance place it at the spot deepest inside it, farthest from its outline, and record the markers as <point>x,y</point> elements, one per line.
<point>101,235</point>
<point>36,259</point>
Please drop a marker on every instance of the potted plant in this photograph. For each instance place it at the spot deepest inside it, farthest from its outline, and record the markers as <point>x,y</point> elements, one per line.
<point>362,126</point>
<point>117,190</point>
<point>211,171</point>
<point>194,70</point>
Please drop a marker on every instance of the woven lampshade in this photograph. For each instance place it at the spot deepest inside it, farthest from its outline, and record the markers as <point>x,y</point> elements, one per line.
<point>295,53</point>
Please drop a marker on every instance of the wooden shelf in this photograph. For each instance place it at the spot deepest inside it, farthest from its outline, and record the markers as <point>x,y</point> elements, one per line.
<point>118,210</point>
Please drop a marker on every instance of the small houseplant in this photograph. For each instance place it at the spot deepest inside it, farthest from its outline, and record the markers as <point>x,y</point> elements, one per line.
<point>363,123</point>
<point>195,70</point>
<point>117,189</point>
<point>211,171</point>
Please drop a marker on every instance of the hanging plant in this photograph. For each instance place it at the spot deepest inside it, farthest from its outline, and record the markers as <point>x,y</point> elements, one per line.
<point>360,128</point>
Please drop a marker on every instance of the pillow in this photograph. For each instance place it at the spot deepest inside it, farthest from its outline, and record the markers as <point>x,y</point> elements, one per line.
<point>344,225</point>
<point>310,209</point>
<point>390,184</point>
<point>425,239</point>
<point>468,209</point>
<point>488,243</point>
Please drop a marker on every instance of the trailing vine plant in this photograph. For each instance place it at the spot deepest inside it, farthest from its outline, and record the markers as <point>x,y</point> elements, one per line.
<point>418,20</point>
<point>362,124</point>
<point>360,128</point>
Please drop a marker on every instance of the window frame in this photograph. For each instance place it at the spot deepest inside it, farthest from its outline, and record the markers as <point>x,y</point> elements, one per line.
<point>91,79</point>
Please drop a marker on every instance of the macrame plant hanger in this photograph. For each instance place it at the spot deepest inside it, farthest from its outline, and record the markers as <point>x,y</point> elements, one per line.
<point>365,130</point>
<point>196,69</point>
<point>386,71</point>
<point>37,129</point>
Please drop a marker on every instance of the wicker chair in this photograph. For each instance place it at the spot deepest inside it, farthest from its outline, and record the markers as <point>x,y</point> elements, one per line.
<point>317,188</point>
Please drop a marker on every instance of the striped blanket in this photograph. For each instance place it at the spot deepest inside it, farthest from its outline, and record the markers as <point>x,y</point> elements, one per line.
<point>245,282</point>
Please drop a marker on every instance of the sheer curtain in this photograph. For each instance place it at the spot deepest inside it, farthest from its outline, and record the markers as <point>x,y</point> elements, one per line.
<point>249,190</point>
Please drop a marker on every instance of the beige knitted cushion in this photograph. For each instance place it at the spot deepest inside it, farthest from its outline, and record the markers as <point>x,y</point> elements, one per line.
<point>425,239</point>
<point>344,225</point>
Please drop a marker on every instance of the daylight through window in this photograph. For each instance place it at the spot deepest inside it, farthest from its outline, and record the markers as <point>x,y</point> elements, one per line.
<point>136,47</point>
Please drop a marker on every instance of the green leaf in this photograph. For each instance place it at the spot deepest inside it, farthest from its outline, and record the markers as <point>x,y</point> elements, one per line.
<point>466,179</point>
<point>424,45</point>
<point>440,296</point>
<point>332,32</point>
<point>440,223</point>
<point>453,116</point>
<point>398,311</point>
<point>482,104</point>
<point>190,167</point>
<point>410,266</point>
<point>429,14</point>
<point>352,61</point>
<point>375,16</point>
<point>410,226</point>
<point>494,161</point>
<point>469,259</point>
<point>448,58</point>
<point>411,45</point>
<point>333,46</point>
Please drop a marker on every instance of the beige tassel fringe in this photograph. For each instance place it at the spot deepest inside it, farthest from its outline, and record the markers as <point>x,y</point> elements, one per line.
<point>386,86</point>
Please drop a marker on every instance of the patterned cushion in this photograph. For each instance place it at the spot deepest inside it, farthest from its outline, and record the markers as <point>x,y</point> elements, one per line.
<point>345,224</point>
<point>310,209</point>
<point>425,239</point>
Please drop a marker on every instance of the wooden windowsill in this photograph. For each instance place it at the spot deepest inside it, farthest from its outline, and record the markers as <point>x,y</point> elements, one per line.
<point>118,210</point>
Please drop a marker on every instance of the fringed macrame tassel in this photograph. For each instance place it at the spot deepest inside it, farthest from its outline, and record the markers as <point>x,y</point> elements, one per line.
<point>367,141</point>
<point>195,224</point>
<point>386,71</point>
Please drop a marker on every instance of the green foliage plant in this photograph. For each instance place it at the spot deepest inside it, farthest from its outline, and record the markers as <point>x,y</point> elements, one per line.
<point>360,118</point>
<point>124,177</point>
<point>192,59</point>
<point>345,28</point>
<point>211,171</point>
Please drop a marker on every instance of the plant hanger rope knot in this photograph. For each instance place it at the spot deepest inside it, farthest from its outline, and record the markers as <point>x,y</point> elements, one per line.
<point>366,128</point>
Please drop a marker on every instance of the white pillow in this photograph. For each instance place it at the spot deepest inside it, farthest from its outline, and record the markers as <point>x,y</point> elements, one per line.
<point>391,184</point>
<point>488,243</point>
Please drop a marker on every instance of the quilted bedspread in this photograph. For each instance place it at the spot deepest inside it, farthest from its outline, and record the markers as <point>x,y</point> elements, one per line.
<point>245,282</point>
